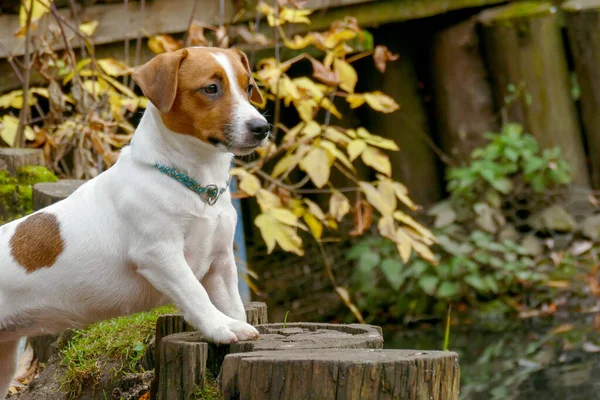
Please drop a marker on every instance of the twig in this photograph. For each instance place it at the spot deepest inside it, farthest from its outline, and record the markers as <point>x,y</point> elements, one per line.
<point>189,24</point>
<point>78,22</point>
<point>25,111</point>
<point>138,43</point>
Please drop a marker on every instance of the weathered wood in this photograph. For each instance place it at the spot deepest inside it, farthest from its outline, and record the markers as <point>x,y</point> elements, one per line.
<point>583,29</point>
<point>13,159</point>
<point>525,52</point>
<point>416,164</point>
<point>47,193</point>
<point>462,94</point>
<point>183,368</point>
<point>349,374</point>
<point>170,324</point>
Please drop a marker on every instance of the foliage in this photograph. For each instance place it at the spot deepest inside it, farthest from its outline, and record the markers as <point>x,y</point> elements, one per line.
<point>510,161</point>
<point>16,192</point>
<point>119,343</point>
<point>477,260</point>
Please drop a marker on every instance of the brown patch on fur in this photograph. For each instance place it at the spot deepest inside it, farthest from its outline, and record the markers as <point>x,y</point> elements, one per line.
<point>37,242</point>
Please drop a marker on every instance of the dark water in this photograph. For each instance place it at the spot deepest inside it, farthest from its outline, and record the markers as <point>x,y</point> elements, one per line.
<point>557,359</point>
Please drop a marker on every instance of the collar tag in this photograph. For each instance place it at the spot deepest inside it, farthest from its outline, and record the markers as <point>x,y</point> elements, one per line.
<point>208,193</point>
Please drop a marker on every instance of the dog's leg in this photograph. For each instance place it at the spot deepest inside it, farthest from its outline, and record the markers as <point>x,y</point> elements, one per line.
<point>8,365</point>
<point>167,270</point>
<point>221,283</point>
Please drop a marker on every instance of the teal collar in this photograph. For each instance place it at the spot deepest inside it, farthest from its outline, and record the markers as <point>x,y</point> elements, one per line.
<point>209,193</point>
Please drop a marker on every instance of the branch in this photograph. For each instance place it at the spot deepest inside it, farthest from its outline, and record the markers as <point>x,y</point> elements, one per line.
<point>24,114</point>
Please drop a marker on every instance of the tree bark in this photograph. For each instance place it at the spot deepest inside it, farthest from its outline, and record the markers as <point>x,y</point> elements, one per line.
<point>183,368</point>
<point>583,29</point>
<point>350,374</point>
<point>416,164</point>
<point>462,94</point>
<point>13,159</point>
<point>47,193</point>
<point>525,53</point>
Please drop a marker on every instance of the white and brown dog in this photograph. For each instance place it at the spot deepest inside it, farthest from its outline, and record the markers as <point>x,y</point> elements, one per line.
<point>134,237</point>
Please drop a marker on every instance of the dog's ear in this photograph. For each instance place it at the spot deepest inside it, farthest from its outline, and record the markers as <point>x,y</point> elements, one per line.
<point>158,78</point>
<point>256,96</point>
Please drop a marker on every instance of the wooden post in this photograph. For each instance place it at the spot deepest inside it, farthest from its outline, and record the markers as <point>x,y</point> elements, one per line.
<point>462,94</point>
<point>45,194</point>
<point>13,159</point>
<point>525,53</point>
<point>171,324</point>
<point>183,367</point>
<point>416,164</point>
<point>348,374</point>
<point>583,29</point>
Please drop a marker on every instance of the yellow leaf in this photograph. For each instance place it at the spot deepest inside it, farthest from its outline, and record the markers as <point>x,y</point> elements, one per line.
<point>381,102</point>
<point>334,39</point>
<point>401,192</point>
<point>336,136</point>
<point>314,209</point>
<point>316,227</point>
<point>408,220</point>
<point>265,9</point>
<point>339,206</point>
<point>403,245</point>
<point>275,232</point>
<point>284,164</point>
<point>424,252</point>
<point>387,194</point>
<point>378,141</point>
<point>163,43</point>
<point>387,227</point>
<point>317,164</point>
<point>345,296</point>
<point>8,130</point>
<point>376,199</point>
<point>92,87</point>
<point>40,8</point>
<point>14,99</point>
<point>333,149</point>
<point>119,86</point>
<point>250,184</point>
<point>329,106</point>
<point>377,160</point>
<point>299,42</point>
<point>285,216</point>
<point>355,148</point>
<point>88,28</point>
<point>355,100</point>
<point>346,74</point>
<point>114,67</point>
<point>295,16</point>
<point>267,200</point>
<point>306,109</point>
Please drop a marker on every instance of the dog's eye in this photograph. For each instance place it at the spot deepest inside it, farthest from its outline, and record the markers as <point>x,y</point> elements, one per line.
<point>250,89</point>
<point>211,89</point>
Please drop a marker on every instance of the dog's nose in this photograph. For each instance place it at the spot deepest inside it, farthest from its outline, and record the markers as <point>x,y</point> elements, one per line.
<point>259,127</point>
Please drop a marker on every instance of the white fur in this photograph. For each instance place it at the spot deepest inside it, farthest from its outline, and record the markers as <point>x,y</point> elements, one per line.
<point>135,239</point>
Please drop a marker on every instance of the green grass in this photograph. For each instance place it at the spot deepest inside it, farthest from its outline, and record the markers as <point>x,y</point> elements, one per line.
<point>119,342</point>
<point>210,391</point>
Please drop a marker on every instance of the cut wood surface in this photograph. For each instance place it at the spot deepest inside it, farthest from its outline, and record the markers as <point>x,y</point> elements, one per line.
<point>13,159</point>
<point>47,193</point>
<point>333,374</point>
<point>526,56</point>
<point>583,30</point>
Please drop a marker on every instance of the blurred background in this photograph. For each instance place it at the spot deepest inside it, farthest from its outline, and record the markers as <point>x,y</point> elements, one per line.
<point>434,168</point>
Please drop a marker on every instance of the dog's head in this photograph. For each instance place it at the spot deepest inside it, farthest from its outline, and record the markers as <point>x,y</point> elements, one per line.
<point>205,92</point>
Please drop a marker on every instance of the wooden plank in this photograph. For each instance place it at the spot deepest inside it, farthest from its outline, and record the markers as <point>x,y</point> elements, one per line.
<point>117,24</point>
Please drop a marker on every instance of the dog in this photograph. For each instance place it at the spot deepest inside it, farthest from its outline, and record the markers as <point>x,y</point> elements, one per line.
<point>155,228</point>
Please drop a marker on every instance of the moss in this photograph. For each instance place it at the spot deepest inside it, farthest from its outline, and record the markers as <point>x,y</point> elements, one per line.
<point>32,174</point>
<point>119,343</point>
<point>210,391</point>
<point>516,10</point>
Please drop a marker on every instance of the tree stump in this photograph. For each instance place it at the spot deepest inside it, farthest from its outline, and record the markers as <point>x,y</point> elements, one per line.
<point>172,324</point>
<point>583,29</point>
<point>462,94</point>
<point>273,337</point>
<point>182,368</point>
<point>13,159</point>
<point>525,53</point>
<point>47,193</point>
<point>350,374</point>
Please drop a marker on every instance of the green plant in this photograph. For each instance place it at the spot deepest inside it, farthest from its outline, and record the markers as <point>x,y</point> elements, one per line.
<point>16,191</point>
<point>512,160</point>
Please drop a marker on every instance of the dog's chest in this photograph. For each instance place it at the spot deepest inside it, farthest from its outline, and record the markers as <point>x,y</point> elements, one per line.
<point>208,238</point>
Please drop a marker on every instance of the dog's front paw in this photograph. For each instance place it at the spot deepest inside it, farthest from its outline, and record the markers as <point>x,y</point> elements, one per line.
<point>231,331</point>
